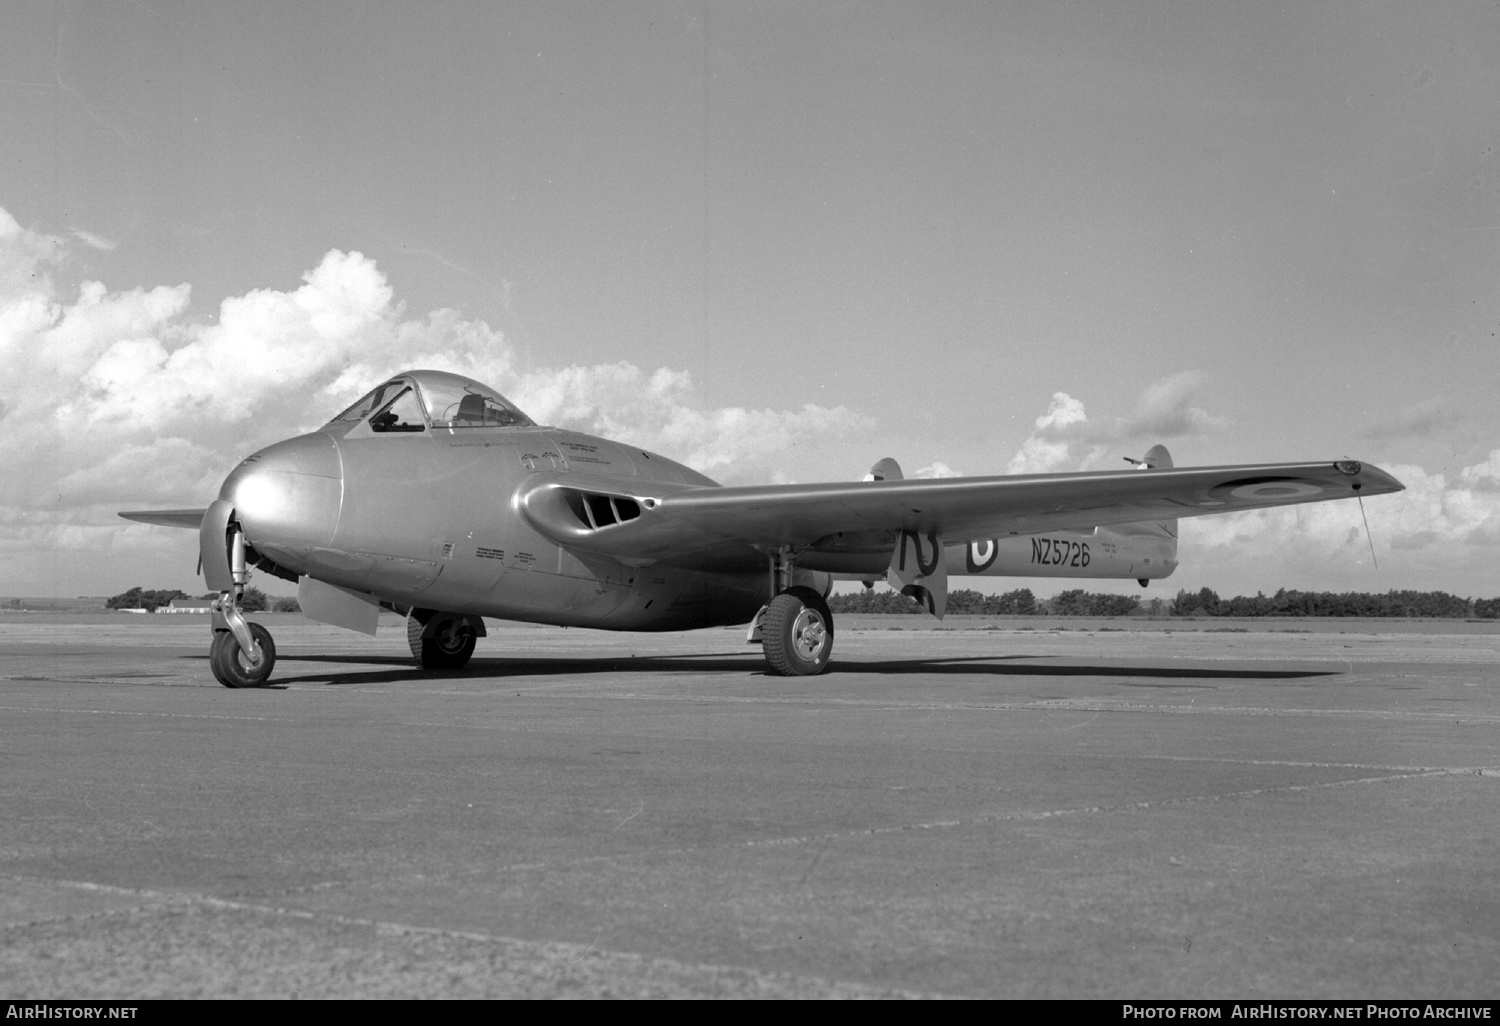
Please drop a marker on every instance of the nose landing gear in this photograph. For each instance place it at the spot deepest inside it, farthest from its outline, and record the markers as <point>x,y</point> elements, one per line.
<point>243,655</point>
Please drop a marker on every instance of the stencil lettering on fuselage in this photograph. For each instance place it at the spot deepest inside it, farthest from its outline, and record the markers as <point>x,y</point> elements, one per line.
<point>596,455</point>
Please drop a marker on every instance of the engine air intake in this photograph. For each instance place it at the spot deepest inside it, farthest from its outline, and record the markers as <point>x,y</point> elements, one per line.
<point>596,511</point>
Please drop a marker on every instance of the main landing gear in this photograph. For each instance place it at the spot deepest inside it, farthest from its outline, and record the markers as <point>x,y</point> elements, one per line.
<point>796,633</point>
<point>442,641</point>
<point>795,629</point>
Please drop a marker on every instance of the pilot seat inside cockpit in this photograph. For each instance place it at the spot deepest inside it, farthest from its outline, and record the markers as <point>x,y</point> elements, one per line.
<point>471,409</point>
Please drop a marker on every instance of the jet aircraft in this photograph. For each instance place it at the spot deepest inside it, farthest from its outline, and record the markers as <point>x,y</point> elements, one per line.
<point>435,497</point>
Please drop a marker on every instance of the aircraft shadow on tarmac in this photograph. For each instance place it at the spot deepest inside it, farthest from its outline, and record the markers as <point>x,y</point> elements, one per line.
<point>401,669</point>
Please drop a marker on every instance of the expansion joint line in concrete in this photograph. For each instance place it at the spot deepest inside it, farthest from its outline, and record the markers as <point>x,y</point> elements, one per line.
<point>81,917</point>
<point>1456,771</point>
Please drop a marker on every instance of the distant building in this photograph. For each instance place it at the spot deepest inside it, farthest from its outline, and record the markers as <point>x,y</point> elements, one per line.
<point>186,606</point>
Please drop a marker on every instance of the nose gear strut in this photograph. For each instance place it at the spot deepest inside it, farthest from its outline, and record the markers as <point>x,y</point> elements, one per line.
<point>241,656</point>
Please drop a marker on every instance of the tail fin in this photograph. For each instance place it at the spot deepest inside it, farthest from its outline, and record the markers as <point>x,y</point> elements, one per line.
<point>887,470</point>
<point>1156,458</point>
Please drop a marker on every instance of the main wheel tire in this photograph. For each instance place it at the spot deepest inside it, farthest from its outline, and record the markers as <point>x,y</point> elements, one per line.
<point>232,667</point>
<point>448,648</point>
<point>796,633</point>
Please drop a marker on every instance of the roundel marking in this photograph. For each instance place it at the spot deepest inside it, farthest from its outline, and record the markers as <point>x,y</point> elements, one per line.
<point>1276,490</point>
<point>981,555</point>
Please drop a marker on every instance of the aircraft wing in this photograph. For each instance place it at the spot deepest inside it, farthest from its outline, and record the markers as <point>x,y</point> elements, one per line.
<point>189,518</point>
<point>725,527</point>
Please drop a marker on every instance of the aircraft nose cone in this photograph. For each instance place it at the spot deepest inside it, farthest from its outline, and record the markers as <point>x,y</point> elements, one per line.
<point>287,496</point>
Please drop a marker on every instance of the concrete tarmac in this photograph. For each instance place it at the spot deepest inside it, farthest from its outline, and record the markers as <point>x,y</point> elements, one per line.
<point>1011,808</point>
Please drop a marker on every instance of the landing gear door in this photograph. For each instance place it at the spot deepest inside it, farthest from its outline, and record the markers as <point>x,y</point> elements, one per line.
<point>213,546</point>
<point>919,570</point>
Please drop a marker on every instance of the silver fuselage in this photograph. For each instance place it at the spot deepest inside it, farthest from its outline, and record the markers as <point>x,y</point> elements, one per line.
<point>429,519</point>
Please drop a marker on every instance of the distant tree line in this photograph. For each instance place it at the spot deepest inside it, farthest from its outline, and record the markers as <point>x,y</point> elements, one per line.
<point>1327,603</point>
<point>1204,602</point>
<point>138,598</point>
<point>1013,603</point>
<point>254,601</point>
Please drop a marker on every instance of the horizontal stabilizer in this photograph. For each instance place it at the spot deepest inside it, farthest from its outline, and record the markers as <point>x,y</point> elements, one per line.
<point>189,518</point>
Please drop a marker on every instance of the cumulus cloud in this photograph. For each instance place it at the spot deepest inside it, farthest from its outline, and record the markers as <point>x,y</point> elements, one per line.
<point>936,470</point>
<point>114,399</point>
<point>1047,449</point>
<point>656,410</point>
<point>1166,409</point>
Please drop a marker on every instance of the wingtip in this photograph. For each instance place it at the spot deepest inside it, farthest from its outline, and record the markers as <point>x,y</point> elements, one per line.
<point>1377,481</point>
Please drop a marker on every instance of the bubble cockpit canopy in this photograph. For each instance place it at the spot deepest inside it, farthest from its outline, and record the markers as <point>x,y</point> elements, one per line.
<point>416,400</point>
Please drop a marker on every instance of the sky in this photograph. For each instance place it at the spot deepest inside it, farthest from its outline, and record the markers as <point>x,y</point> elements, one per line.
<point>776,241</point>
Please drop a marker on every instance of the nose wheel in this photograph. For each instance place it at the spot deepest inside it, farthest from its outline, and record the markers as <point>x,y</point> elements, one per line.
<point>236,668</point>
